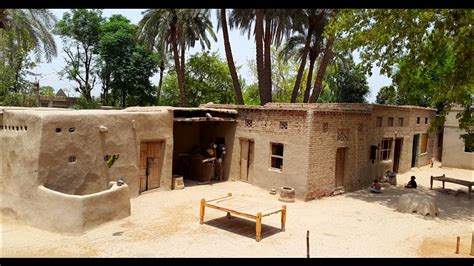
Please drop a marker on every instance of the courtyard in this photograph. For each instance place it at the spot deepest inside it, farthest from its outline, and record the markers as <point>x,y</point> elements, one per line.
<point>356,224</point>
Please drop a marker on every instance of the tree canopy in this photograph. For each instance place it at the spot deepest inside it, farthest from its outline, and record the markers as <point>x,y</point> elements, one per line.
<point>207,79</point>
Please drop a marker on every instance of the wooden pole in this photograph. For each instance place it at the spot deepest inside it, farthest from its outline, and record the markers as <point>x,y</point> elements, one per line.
<point>283,217</point>
<point>258,227</point>
<point>457,244</point>
<point>307,244</point>
<point>472,244</point>
<point>201,211</point>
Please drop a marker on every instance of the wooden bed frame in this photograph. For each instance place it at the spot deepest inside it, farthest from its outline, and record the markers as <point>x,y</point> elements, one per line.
<point>245,208</point>
<point>444,179</point>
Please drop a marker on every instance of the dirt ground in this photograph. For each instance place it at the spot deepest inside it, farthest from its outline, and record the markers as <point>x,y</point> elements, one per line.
<point>357,224</point>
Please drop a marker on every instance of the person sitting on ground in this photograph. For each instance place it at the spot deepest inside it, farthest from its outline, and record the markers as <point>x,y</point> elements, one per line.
<point>376,187</point>
<point>412,183</point>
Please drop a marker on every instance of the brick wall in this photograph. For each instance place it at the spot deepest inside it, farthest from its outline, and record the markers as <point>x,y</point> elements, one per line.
<point>264,127</point>
<point>313,134</point>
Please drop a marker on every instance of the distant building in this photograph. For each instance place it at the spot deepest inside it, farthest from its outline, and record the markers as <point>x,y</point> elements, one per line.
<point>60,100</point>
<point>456,153</point>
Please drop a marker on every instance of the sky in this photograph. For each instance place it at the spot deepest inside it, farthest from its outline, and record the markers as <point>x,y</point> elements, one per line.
<point>243,50</point>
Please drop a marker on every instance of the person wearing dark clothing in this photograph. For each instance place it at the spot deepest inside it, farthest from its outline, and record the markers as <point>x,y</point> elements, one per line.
<point>412,183</point>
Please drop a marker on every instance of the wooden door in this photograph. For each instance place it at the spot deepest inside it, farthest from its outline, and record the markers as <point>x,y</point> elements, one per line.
<point>151,159</point>
<point>244,159</point>
<point>396,155</point>
<point>340,166</point>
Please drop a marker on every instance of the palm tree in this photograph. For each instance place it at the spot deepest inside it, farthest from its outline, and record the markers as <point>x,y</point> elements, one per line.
<point>318,83</point>
<point>33,24</point>
<point>175,30</point>
<point>222,21</point>
<point>271,27</point>
<point>309,20</point>
<point>304,46</point>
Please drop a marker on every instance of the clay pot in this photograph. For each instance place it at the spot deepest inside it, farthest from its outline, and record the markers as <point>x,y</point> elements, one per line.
<point>287,194</point>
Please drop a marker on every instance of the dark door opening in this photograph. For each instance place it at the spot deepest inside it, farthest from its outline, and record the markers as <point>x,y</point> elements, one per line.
<point>396,154</point>
<point>340,166</point>
<point>414,153</point>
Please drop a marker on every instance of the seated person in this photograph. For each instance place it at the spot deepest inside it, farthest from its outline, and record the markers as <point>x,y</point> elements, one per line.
<point>376,187</point>
<point>412,183</point>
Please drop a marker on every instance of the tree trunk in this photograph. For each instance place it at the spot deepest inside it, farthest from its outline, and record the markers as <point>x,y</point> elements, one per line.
<point>309,80</point>
<point>267,65</point>
<point>160,83</point>
<point>296,88</point>
<point>259,55</point>
<point>177,66</point>
<point>3,18</point>
<point>322,71</point>
<point>230,59</point>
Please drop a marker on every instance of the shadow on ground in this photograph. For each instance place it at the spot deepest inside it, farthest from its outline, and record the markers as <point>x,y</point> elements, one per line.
<point>450,206</point>
<point>242,227</point>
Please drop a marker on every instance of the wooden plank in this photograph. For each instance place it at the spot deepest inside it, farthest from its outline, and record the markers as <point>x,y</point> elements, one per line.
<point>244,156</point>
<point>453,180</point>
<point>231,211</point>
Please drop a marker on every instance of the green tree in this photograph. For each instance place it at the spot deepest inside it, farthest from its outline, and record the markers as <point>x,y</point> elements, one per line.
<point>23,31</point>
<point>32,24</point>
<point>125,66</point>
<point>345,82</point>
<point>207,79</point>
<point>176,30</point>
<point>386,36</point>
<point>47,91</point>
<point>80,32</point>
<point>387,95</point>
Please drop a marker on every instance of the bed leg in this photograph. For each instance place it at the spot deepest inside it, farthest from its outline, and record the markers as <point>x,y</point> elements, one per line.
<point>283,217</point>
<point>258,227</point>
<point>201,211</point>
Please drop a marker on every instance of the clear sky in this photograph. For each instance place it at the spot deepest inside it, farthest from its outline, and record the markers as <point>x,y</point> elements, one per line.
<point>243,50</point>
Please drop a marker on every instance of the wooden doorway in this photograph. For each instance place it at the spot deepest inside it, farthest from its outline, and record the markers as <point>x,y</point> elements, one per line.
<point>151,159</point>
<point>414,152</point>
<point>396,154</point>
<point>246,158</point>
<point>340,166</point>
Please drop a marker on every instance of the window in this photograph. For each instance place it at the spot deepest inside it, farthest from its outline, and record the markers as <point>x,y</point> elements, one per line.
<point>424,143</point>
<point>390,121</point>
<point>378,122</point>
<point>418,120</point>
<point>426,120</point>
<point>468,148</point>
<point>325,127</point>
<point>283,124</point>
<point>248,122</point>
<point>400,121</point>
<point>277,155</point>
<point>386,149</point>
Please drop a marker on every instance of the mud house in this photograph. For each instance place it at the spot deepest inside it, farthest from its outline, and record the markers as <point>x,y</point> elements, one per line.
<point>60,167</point>
<point>455,152</point>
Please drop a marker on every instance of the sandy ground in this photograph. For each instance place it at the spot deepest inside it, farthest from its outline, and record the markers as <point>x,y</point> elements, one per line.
<point>358,224</point>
